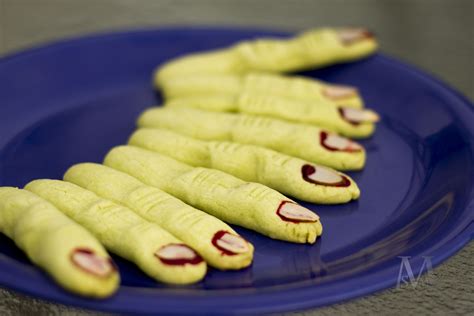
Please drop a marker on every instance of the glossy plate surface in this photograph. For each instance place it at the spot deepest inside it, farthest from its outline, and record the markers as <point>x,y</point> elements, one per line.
<point>72,101</point>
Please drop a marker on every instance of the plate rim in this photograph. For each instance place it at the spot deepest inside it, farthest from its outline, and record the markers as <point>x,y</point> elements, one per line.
<point>441,253</point>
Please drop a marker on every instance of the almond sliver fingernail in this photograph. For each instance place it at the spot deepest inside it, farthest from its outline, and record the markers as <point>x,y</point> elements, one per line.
<point>335,142</point>
<point>357,116</point>
<point>230,243</point>
<point>321,175</point>
<point>337,92</point>
<point>350,36</point>
<point>324,176</point>
<point>88,261</point>
<point>292,212</point>
<point>177,254</point>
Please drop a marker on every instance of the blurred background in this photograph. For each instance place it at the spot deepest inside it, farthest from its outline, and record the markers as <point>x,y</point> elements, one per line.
<point>435,35</point>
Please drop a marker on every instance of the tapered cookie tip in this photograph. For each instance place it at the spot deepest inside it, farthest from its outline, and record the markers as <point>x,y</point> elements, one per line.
<point>178,254</point>
<point>91,263</point>
<point>349,36</point>
<point>292,212</point>
<point>358,116</point>
<point>230,244</point>
<point>337,92</point>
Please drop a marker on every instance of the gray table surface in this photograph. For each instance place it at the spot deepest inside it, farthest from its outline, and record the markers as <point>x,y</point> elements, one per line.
<point>435,35</point>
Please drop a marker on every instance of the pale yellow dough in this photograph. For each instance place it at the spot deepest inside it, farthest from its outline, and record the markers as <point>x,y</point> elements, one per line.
<point>49,239</point>
<point>292,87</point>
<point>119,229</point>
<point>247,162</point>
<point>321,114</point>
<point>251,205</point>
<point>299,140</point>
<point>314,48</point>
<point>191,225</point>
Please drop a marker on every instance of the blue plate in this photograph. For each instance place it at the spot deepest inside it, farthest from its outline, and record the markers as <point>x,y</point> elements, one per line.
<point>72,101</point>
